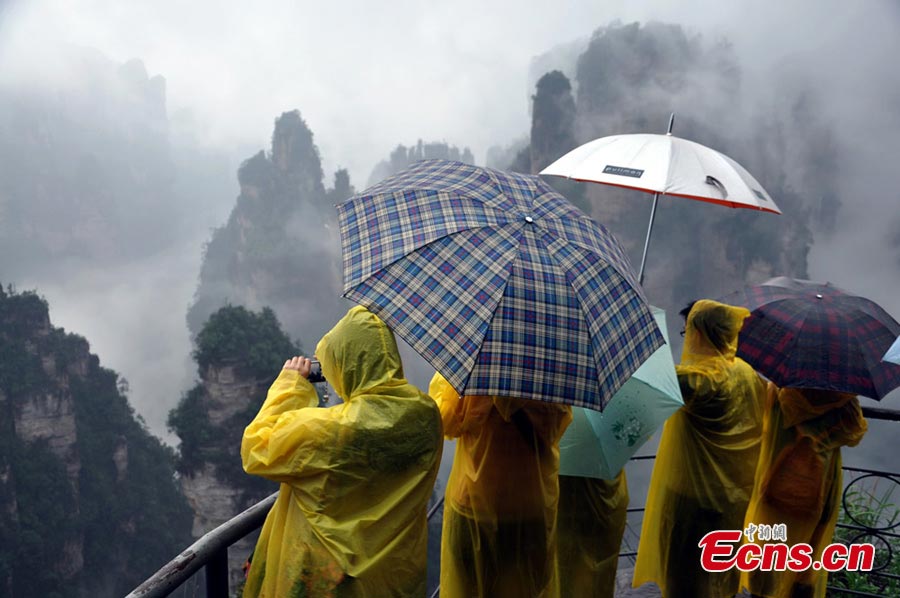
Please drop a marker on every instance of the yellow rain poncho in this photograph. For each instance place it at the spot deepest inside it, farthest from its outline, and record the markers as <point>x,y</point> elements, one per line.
<point>798,481</point>
<point>355,478</point>
<point>706,459</point>
<point>591,523</point>
<point>499,531</point>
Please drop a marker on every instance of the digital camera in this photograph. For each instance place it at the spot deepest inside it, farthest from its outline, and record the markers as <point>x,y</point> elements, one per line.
<point>315,372</point>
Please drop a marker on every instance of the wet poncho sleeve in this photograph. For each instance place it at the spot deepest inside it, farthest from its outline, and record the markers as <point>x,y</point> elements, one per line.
<point>272,446</point>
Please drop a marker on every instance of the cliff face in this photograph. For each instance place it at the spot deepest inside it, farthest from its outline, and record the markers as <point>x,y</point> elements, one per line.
<point>90,506</point>
<point>239,354</point>
<point>215,491</point>
<point>38,413</point>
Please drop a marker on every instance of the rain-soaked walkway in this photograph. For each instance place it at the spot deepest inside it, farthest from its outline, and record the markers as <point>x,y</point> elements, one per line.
<point>648,590</point>
<point>624,589</point>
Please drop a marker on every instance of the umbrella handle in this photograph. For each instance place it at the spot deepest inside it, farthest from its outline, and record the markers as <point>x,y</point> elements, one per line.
<point>653,214</point>
<point>647,240</point>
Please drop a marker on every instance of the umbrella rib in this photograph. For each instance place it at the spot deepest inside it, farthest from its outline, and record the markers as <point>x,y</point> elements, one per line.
<point>432,242</point>
<point>351,284</point>
<point>581,307</point>
<point>502,293</point>
<point>856,348</point>
<point>458,194</point>
<point>594,250</point>
<point>794,323</point>
<point>540,239</point>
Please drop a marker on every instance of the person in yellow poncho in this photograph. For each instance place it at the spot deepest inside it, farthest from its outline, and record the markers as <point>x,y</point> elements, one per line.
<point>798,481</point>
<point>706,459</point>
<point>350,517</point>
<point>591,522</point>
<point>499,529</point>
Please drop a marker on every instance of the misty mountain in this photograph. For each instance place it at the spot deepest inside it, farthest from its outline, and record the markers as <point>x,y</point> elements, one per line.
<point>627,79</point>
<point>104,204</point>
<point>90,503</point>
<point>552,134</point>
<point>403,156</point>
<point>87,172</point>
<point>280,247</point>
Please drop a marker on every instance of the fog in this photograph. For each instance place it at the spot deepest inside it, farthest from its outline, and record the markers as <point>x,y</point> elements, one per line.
<point>367,77</point>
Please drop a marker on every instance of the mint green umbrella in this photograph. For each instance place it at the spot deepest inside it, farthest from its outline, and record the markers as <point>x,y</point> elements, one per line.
<point>598,444</point>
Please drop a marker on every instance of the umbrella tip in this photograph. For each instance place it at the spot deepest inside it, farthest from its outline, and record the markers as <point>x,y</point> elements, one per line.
<point>671,123</point>
<point>818,296</point>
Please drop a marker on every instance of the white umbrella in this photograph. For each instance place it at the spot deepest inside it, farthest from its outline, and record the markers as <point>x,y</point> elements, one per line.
<point>664,165</point>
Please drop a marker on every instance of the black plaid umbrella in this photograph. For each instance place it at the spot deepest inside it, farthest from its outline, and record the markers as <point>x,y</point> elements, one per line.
<point>805,334</point>
<point>499,282</point>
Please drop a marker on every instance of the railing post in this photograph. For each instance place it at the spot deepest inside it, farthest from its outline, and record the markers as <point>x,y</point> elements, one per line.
<point>217,574</point>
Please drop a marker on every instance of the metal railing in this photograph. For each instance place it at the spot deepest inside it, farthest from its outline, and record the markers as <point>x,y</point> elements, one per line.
<point>867,526</point>
<point>211,551</point>
<point>861,523</point>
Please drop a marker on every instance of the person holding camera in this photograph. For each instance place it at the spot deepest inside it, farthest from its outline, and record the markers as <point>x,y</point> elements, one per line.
<point>350,517</point>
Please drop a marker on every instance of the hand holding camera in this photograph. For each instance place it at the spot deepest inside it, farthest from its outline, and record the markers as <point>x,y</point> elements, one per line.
<point>310,369</point>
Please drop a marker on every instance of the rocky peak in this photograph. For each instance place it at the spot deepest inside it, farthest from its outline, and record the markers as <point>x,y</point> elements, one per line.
<point>295,155</point>
<point>283,212</point>
<point>553,120</point>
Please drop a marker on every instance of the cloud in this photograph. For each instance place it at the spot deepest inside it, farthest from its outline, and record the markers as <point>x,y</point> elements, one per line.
<point>365,76</point>
<point>133,317</point>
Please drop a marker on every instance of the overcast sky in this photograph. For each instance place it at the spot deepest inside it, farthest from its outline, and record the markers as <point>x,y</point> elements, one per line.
<point>367,76</point>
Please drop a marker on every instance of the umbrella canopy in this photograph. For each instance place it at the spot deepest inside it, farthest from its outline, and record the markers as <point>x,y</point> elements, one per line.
<point>598,445</point>
<point>806,334</point>
<point>664,165</point>
<point>893,354</point>
<point>667,165</point>
<point>499,282</point>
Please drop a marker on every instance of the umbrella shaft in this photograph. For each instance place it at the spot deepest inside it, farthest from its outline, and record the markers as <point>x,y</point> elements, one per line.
<point>647,240</point>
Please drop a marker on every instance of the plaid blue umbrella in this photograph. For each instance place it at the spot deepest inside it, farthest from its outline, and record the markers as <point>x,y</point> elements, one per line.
<point>499,282</point>
<point>805,334</point>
